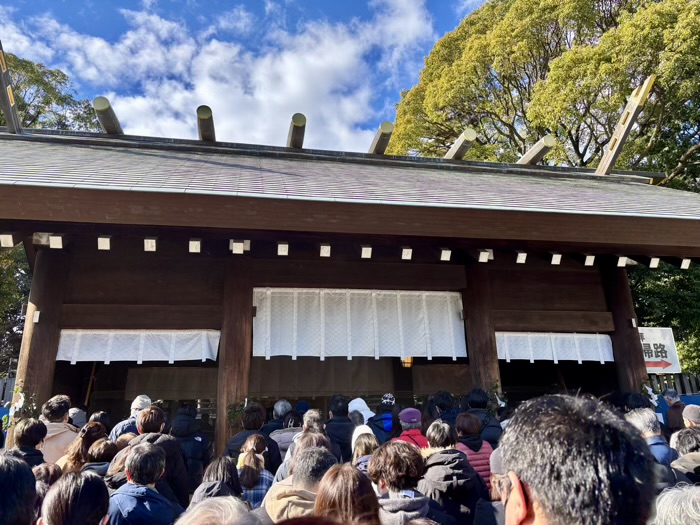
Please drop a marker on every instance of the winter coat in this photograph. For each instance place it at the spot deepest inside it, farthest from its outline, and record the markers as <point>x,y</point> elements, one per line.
<point>30,455</point>
<point>284,438</point>
<point>339,431</point>
<point>269,428</point>
<point>381,426</point>
<point>489,513</point>
<point>211,489</point>
<point>59,436</point>
<point>128,426</point>
<point>450,480</point>
<point>478,453</point>
<point>398,508</point>
<point>287,502</point>
<point>273,459</point>
<point>96,468</point>
<point>663,454</point>
<point>667,478</point>
<point>115,481</point>
<point>174,483</point>
<point>450,416</point>
<point>362,463</point>
<point>491,430</point>
<point>674,417</point>
<point>414,437</point>
<point>139,505</point>
<point>196,448</point>
<point>689,465</point>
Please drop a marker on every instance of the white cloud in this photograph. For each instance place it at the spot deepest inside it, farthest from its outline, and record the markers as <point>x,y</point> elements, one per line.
<point>464,7</point>
<point>158,71</point>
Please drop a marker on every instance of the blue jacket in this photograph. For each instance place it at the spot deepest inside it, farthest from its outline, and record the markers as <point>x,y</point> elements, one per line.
<point>124,427</point>
<point>138,505</point>
<point>381,425</point>
<point>661,451</point>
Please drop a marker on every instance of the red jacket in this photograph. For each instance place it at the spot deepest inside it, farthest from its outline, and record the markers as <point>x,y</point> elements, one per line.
<point>414,437</point>
<point>479,460</point>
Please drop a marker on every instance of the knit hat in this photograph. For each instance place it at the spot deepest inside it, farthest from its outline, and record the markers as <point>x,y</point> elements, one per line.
<point>496,462</point>
<point>410,415</point>
<point>360,405</point>
<point>692,413</point>
<point>362,429</point>
<point>141,402</point>
<point>302,407</point>
<point>388,399</point>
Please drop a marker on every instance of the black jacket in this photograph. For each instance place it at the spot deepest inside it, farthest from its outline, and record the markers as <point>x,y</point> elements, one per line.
<point>211,489</point>
<point>451,481</point>
<point>339,430</point>
<point>96,468</point>
<point>273,459</point>
<point>32,456</point>
<point>450,417</point>
<point>269,428</point>
<point>196,448</point>
<point>489,513</point>
<point>174,484</point>
<point>491,430</point>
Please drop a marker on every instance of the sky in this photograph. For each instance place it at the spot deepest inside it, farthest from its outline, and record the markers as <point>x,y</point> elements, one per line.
<point>343,63</point>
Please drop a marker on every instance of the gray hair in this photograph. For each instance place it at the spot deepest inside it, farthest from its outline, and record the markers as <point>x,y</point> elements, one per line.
<point>225,510</point>
<point>685,441</point>
<point>644,420</point>
<point>313,421</point>
<point>310,465</point>
<point>281,409</point>
<point>678,506</point>
<point>410,426</point>
<point>671,394</point>
<point>441,434</point>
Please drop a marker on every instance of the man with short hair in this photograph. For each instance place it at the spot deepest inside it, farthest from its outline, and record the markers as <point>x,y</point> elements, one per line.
<point>59,433</point>
<point>137,502</point>
<point>17,491</point>
<point>674,415</point>
<point>478,402</point>
<point>30,433</point>
<point>281,409</point>
<point>410,419</point>
<point>645,420</point>
<point>687,443</point>
<point>253,419</point>
<point>128,426</point>
<point>444,406</point>
<point>573,460</point>
<point>339,428</point>
<point>691,416</point>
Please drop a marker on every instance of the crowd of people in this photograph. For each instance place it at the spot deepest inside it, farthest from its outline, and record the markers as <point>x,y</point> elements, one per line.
<point>556,460</point>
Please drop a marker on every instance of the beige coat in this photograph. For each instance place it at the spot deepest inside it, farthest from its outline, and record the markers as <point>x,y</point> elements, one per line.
<point>284,502</point>
<point>58,438</point>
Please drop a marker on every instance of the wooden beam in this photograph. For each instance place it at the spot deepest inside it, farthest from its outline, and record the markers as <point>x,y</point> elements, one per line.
<point>141,316</point>
<point>462,145</point>
<point>236,344</point>
<point>634,107</point>
<point>7,97</point>
<point>552,321</point>
<point>297,128</point>
<point>8,240</point>
<point>382,138</point>
<point>106,116</point>
<point>627,347</point>
<point>481,335</point>
<point>537,152</point>
<point>205,124</point>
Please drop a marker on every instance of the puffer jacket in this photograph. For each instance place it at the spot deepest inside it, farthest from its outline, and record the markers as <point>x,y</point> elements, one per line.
<point>381,426</point>
<point>196,448</point>
<point>491,429</point>
<point>478,453</point>
<point>284,438</point>
<point>398,508</point>
<point>450,480</point>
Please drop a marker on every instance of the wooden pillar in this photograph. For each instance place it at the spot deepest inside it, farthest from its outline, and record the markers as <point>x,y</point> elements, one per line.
<point>42,325</point>
<point>481,336</point>
<point>627,347</point>
<point>236,345</point>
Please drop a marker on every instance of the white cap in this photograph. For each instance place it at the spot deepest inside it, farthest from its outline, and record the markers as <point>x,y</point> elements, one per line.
<point>141,402</point>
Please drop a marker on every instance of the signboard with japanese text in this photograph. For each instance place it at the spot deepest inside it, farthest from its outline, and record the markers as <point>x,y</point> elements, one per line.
<point>659,349</point>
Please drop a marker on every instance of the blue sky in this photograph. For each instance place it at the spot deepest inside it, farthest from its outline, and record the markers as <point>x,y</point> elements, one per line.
<point>342,63</point>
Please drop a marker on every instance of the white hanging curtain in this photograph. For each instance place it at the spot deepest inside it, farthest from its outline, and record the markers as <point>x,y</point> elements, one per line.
<point>314,322</point>
<point>555,347</point>
<point>138,346</point>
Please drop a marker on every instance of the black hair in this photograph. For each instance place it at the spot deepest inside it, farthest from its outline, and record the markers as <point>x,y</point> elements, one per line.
<point>56,408</point>
<point>145,464</point>
<point>339,405</point>
<point>477,398</point>
<point>582,462</point>
<point>76,499</point>
<point>292,420</point>
<point>224,470</point>
<point>633,401</point>
<point>17,491</point>
<point>444,401</point>
<point>357,418</point>
<point>101,417</point>
<point>29,432</point>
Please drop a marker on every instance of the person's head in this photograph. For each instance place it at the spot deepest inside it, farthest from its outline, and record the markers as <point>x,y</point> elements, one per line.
<point>281,408</point>
<point>686,440</point>
<point>477,398</point>
<point>224,470</point>
<point>17,491</point>
<point>440,434</point>
<point>467,425</point>
<point>42,489</point>
<point>310,465</point>
<point>102,417</point>
<point>313,421</point>
<point>225,510</point>
<point>338,406</point>
<point>573,460</point>
<point>187,409</point>
<point>387,403</point>
<point>55,410</point>
<point>678,506</point>
<point>292,420</point>
<point>151,419</point>
<point>410,419</point>
<point>253,416</point>
<point>357,432</point>
<point>309,440</point>
<point>691,416</point>
<point>670,396</point>
<point>77,452</point>
<point>443,401</point>
<point>47,473</point>
<point>123,440</point>
<point>364,445</point>
<point>29,433</point>
<point>252,460</point>
<point>145,464</point>
<point>139,403</point>
<point>102,451</point>
<point>302,407</point>
<point>346,495</point>
<point>205,417</point>
<point>644,420</point>
<point>76,499</point>
<point>634,400</point>
<point>357,418</point>
<point>396,466</point>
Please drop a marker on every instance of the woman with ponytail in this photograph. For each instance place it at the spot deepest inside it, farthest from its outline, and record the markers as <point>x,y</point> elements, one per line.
<point>77,453</point>
<point>255,480</point>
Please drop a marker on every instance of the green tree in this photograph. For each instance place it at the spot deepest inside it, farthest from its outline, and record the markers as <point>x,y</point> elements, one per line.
<point>14,291</point>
